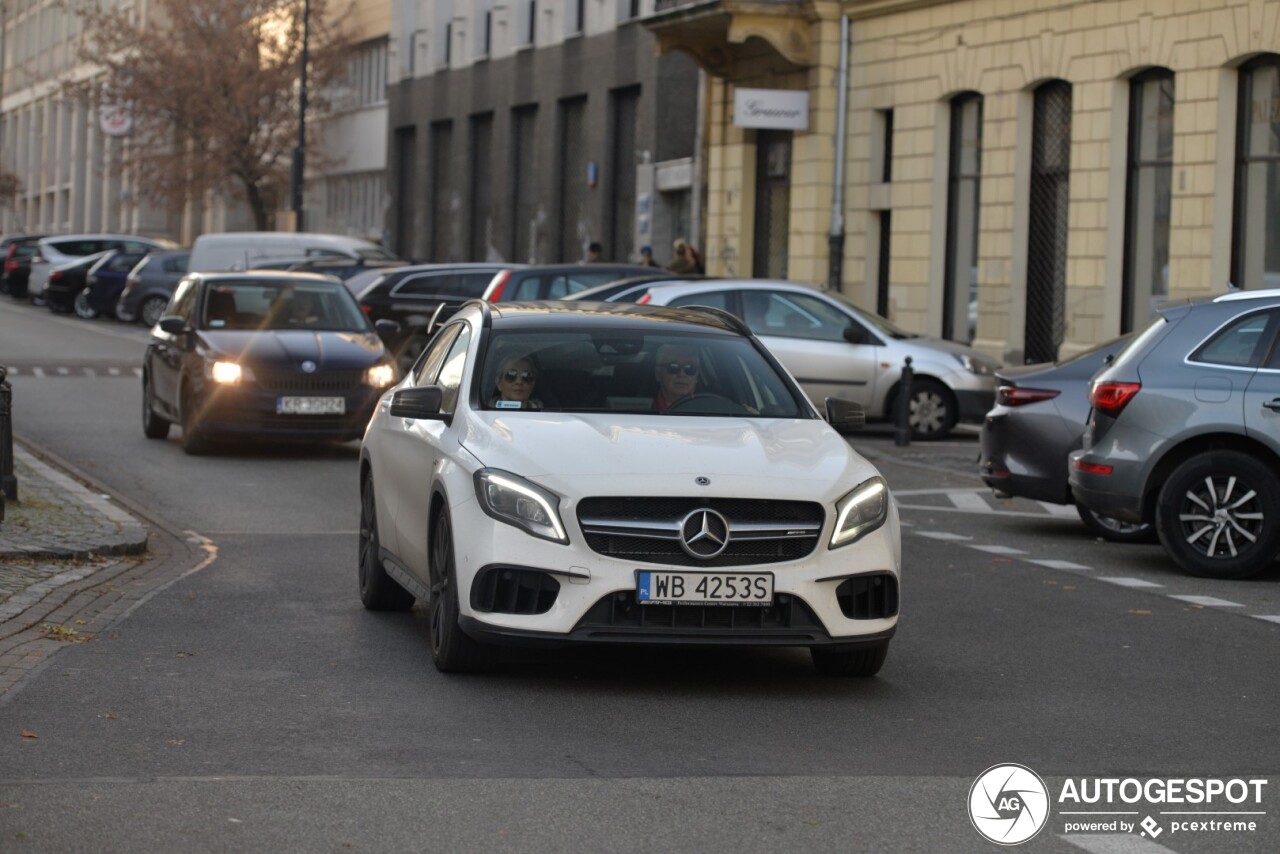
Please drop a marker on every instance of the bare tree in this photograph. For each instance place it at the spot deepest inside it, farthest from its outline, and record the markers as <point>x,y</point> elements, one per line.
<point>212,87</point>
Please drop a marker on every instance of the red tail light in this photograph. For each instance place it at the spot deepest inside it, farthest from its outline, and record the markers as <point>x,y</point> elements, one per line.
<point>1092,468</point>
<point>55,275</point>
<point>499,285</point>
<point>10,265</point>
<point>367,309</point>
<point>644,300</point>
<point>1111,398</point>
<point>130,282</point>
<point>1008,395</point>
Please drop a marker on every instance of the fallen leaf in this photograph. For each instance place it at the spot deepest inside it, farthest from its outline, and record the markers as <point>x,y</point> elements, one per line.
<point>1139,611</point>
<point>26,733</point>
<point>111,716</point>
<point>175,741</point>
<point>82,622</point>
<point>1068,587</point>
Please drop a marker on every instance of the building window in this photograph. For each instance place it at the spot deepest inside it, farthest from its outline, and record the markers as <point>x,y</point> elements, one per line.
<point>960,284</point>
<point>1148,197</point>
<point>526,22</point>
<point>882,155</point>
<point>483,28</point>
<point>575,16</point>
<point>1255,256</point>
<point>1047,226</point>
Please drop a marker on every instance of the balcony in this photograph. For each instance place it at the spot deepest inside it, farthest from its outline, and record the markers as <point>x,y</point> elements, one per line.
<point>717,33</point>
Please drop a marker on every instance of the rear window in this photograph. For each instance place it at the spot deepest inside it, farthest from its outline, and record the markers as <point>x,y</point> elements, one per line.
<point>1241,344</point>
<point>1138,345</point>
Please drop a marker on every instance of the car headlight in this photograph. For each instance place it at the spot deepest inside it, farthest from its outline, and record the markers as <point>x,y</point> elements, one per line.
<point>380,376</point>
<point>225,372</point>
<point>977,364</point>
<point>516,501</point>
<point>860,512</point>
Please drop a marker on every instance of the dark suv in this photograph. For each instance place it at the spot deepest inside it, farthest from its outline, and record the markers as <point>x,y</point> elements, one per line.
<point>409,295</point>
<point>1185,432</point>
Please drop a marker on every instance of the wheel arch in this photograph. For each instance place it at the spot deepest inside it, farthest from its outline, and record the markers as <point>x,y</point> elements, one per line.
<point>1193,446</point>
<point>891,397</point>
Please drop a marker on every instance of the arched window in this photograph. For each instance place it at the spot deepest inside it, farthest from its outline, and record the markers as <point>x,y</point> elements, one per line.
<point>1255,256</point>
<point>1148,196</point>
<point>1047,228</point>
<point>960,285</point>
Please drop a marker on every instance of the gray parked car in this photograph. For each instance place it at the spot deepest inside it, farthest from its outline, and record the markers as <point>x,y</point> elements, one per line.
<point>835,349</point>
<point>1185,431</point>
<point>1038,420</point>
<point>150,284</point>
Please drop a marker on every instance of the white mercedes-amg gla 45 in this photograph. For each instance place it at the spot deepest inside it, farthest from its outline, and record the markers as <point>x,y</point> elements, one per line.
<point>604,473</point>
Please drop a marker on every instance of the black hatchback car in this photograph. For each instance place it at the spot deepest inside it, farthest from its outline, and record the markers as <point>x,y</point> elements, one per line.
<point>265,354</point>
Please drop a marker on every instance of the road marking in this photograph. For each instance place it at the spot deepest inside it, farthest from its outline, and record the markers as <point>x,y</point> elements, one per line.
<point>969,501</point>
<point>137,372</point>
<point>998,550</point>
<point>1114,843</point>
<point>1060,564</point>
<point>38,372</point>
<point>1270,618</point>
<point>90,372</point>
<point>1207,601</point>
<point>62,372</point>
<point>1130,582</point>
<point>1064,511</point>
<point>115,372</point>
<point>942,535</point>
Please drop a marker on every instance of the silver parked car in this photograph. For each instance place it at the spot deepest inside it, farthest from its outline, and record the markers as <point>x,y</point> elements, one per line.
<point>835,349</point>
<point>1185,431</point>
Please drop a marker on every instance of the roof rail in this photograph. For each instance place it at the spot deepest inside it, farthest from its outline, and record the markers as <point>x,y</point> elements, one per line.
<point>732,320</point>
<point>486,311</point>
<point>1232,296</point>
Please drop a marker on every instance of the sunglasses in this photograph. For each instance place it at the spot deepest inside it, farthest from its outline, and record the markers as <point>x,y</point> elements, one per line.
<point>689,369</point>
<point>512,376</point>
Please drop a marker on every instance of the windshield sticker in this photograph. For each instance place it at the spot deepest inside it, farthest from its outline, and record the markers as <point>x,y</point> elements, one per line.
<point>216,323</point>
<point>507,404</point>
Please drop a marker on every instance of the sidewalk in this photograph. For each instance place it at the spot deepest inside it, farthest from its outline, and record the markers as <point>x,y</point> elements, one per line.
<point>55,527</point>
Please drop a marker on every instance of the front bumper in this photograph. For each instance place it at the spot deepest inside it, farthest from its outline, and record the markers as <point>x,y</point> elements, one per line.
<point>246,410</point>
<point>591,584</point>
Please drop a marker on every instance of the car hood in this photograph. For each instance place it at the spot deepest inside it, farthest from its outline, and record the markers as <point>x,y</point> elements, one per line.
<point>291,347</point>
<point>664,455</point>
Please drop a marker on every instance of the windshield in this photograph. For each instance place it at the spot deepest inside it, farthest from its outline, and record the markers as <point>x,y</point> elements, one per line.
<point>282,305</point>
<point>632,372</point>
<point>880,324</point>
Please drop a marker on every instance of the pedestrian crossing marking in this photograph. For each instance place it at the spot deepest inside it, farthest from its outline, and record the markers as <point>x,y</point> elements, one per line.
<point>1130,582</point>
<point>1061,564</point>
<point>1207,601</point>
<point>997,550</point>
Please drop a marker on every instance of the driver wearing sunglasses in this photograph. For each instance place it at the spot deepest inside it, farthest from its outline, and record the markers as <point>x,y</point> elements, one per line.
<point>515,383</point>
<point>676,369</point>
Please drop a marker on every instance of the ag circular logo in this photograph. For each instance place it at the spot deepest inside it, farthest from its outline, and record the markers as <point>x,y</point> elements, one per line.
<point>704,534</point>
<point>1008,804</point>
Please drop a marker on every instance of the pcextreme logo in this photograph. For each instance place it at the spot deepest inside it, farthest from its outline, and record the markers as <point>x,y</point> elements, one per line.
<point>1008,804</point>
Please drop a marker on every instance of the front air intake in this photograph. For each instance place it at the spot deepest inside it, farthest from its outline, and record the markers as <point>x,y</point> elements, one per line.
<point>868,597</point>
<point>513,590</point>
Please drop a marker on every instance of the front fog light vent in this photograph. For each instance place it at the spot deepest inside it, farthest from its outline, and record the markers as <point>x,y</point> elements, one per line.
<point>868,597</point>
<point>511,590</point>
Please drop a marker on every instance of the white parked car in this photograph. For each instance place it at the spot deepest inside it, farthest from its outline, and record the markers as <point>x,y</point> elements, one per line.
<point>65,248</point>
<point>245,250</point>
<point>834,348</point>
<point>619,475</point>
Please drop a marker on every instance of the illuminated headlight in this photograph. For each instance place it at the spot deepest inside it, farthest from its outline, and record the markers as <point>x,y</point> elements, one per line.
<point>860,512</point>
<point>381,376</point>
<point>225,372</point>
<point>516,501</point>
<point>977,364</point>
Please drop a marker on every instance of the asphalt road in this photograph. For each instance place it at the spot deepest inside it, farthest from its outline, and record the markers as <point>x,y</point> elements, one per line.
<point>255,704</point>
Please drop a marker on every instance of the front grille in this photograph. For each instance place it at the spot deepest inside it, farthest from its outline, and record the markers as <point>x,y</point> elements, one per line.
<point>511,590</point>
<point>619,614</point>
<point>868,597</point>
<point>331,382</point>
<point>648,529</point>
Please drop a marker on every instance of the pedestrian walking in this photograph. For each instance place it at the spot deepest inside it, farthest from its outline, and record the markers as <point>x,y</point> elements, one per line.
<point>646,256</point>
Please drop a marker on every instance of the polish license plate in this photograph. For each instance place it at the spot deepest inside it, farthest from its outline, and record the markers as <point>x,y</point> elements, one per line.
<point>311,405</point>
<point>703,588</point>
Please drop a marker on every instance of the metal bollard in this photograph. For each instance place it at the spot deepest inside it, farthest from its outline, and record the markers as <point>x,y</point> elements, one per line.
<point>902,417</point>
<point>8,483</point>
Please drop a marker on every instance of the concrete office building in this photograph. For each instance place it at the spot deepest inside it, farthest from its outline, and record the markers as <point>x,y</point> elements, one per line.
<point>527,130</point>
<point>1067,164</point>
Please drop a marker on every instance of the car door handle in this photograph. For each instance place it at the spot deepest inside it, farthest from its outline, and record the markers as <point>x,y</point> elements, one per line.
<point>1273,404</point>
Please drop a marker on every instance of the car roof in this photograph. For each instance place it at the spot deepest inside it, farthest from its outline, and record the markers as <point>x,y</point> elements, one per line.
<point>1237,296</point>
<point>602,267</point>
<point>268,276</point>
<point>620,316</point>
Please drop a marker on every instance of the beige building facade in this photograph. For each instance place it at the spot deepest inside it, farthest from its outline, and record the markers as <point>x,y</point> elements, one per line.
<point>1034,176</point>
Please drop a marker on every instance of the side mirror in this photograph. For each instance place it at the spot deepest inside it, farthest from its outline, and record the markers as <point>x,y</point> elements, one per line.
<point>173,324</point>
<point>855,334</point>
<point>387,328</point>
<point>420,402</point>
<point>845,416</point>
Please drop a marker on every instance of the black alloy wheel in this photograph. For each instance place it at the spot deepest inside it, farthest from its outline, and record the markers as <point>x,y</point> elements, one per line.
<point>82,307</point>
<point>153,426</point>
<point>452,650</point>
<point>860,661</point>
<point>378,590</point>
<point>152,310</point>
<point>932,410</point>
<point>1115,530</point>
<point>1218,515</point>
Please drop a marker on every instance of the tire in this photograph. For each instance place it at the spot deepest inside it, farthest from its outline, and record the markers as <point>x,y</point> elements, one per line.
<point>1114,530</point>
<point>859,661</point>
<point>452,650</point>
<point>932,413</point>
<point>1211,506</point>
<point>82,307</point>
<point>151,310</point>
<point>194,442</point>
<point>123,315</point>
<point>153,425</point>
<point>378,591</point>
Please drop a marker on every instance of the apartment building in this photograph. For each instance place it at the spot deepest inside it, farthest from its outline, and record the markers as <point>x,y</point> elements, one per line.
<point>1052,168</point>
<point>528,130</point>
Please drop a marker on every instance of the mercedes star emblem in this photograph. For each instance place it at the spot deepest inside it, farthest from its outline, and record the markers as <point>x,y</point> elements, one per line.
<point>308,367</point>
<point>702,481</point>
<point>704,534</point>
